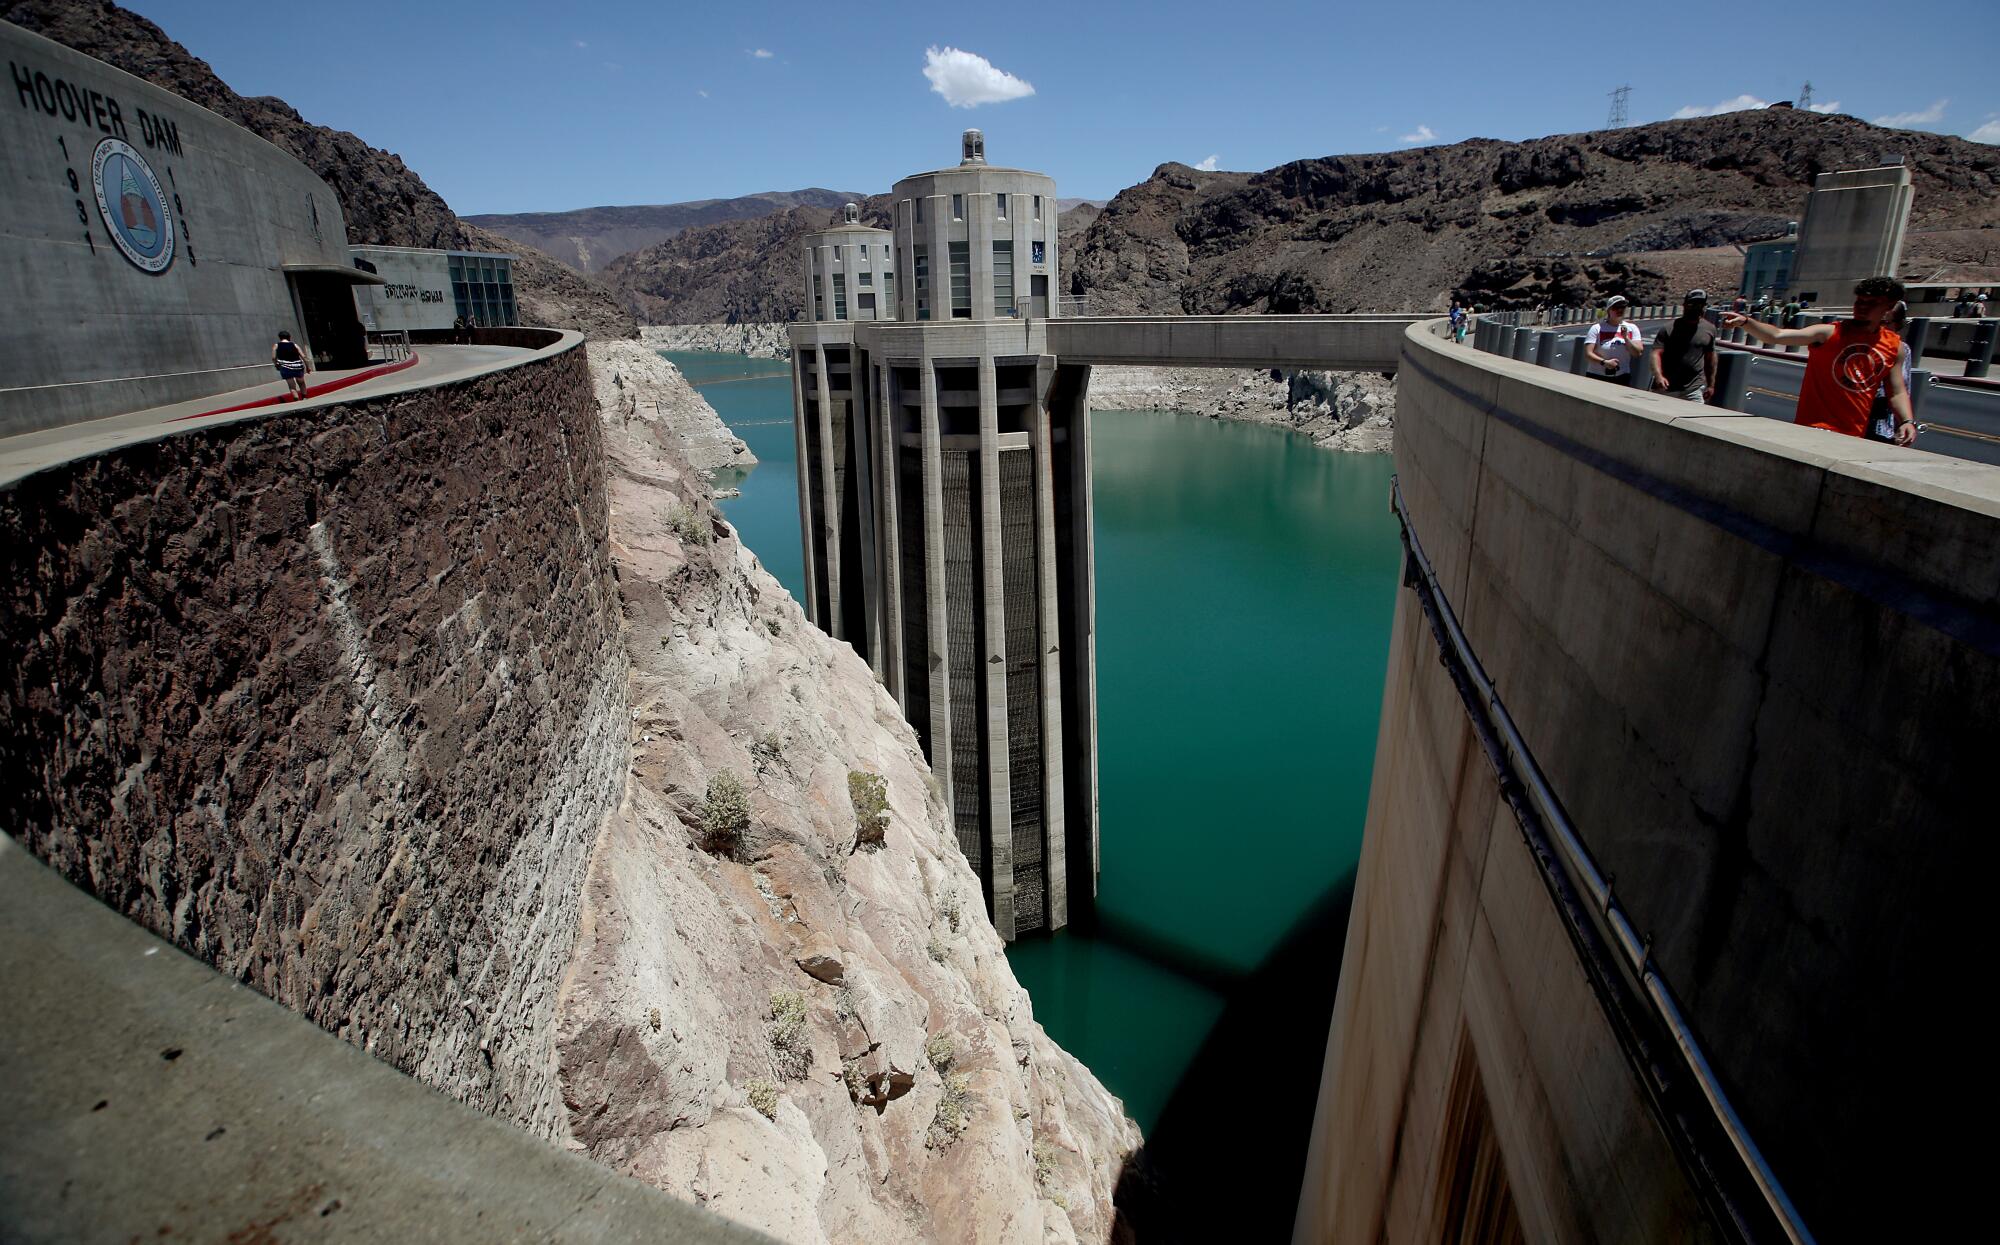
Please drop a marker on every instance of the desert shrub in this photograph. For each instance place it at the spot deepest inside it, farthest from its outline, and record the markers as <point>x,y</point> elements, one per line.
<point>763,1096</point>
<point>870,795</point>
<point>791,1046</point>
<point>940,1050</point>
<point>1045,1161</point>
<point>724,815</point>
<point>954,1111</point>
<point>937,949</point>
<point>690,527</point>
<point>950,907</point>
<point>843,1003</point>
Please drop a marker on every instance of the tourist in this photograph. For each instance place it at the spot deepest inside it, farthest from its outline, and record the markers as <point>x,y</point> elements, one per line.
<point>1684,352</point>
<point>1613,343</point>
<point>1790,314</point>
<point>1458,318</point>
<point>1979,305</point>
<point>1740,305</point>
<point>292,366</point>
<point>1846,362</point>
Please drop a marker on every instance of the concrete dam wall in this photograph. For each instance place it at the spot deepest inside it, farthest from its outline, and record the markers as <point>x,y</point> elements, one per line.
<point>335,700</point>
<point>1759,666</point>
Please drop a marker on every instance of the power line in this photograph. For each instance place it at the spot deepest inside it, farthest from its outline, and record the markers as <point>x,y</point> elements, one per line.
<point>1618,107</point>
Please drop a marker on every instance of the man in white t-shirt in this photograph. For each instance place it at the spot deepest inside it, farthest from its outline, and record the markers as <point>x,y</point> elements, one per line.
<point>1612,344</point>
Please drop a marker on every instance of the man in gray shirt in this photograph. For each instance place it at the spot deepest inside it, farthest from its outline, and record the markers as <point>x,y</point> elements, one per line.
<point>1684,353</point>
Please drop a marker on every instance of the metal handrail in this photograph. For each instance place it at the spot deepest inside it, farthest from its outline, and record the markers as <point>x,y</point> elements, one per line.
<point>1582,870</point>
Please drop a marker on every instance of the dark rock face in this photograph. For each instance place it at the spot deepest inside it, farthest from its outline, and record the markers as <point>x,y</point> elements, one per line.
<point>336,702</point>
<point>589,238</point>
<point>748,271</point>
<point>383,201</point>
<point>1403,231</point>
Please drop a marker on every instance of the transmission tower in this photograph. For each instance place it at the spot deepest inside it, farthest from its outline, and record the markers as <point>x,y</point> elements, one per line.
<point>1805,98</point>
<point>1618,107</point>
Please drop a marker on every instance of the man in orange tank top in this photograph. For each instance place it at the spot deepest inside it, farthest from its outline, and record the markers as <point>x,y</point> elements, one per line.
<point>1846,363</point>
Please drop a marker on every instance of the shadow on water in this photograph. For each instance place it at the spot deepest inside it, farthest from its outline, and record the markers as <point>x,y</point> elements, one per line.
<point>1225,1160</point>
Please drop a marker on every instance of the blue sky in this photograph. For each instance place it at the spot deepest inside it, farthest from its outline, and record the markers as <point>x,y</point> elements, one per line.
<point>512,107</point>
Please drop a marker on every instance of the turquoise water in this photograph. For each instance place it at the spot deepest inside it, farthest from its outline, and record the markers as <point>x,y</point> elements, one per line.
<point>1245,582</point>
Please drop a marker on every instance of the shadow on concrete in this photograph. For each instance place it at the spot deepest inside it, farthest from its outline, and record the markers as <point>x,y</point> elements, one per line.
<point>1225,1160</point>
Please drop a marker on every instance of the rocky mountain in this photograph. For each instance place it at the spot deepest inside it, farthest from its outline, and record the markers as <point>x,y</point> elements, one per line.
<point>589,238</point>
<point>745,270</point>
<point>383,200</point>
<point>1563,218</point>
<point>750,271</point>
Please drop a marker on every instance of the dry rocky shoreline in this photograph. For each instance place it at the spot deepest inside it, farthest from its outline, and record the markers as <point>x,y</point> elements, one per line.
<point>1349,411</point>
<point>802,1029</point>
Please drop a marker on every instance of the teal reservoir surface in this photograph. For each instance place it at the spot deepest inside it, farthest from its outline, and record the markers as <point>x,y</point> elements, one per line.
<point>1245,583</point>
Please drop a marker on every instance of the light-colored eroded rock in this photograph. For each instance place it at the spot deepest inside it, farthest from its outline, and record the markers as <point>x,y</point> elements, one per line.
<point>1354,411</point>
<point>668,1039</point>
<point>645,396</point>
<point>763,341</point>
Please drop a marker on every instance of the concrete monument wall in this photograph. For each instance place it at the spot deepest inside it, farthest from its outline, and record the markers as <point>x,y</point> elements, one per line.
<point>1760,666</point>
<point>170,288</point>
<point>415,294</point>
<point>335,700</point>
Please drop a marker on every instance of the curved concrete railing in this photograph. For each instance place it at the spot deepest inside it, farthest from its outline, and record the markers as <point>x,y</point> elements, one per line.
<point>1759,666</point>
<point>1361,343</point>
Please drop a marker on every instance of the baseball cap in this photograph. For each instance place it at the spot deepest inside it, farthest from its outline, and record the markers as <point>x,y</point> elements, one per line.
<point>1616,300</point>
<point>1696,296</point>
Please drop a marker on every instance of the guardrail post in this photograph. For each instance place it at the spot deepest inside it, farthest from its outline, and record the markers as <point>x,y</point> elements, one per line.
<point>1732,380</point>
<point>1920,385</point>
<point>1979,355</point>
<point>1480,330</point>
<point>1505,345</point>
<point>1524,344</point>
<point>1545,349</point>
<point>1917,335</point>
<point>1579,362</point>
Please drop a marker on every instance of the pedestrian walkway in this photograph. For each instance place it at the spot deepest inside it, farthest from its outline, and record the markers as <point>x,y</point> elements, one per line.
<point>45,447</point>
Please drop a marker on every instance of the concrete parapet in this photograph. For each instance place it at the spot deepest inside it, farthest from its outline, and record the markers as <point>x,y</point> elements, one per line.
<point>1760,666</point>
<point>149,1097</point>
<point>334,697</point>
<point>1365,343</point>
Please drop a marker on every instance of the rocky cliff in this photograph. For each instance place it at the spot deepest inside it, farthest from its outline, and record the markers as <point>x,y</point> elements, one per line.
<point>1564,218</point>
<point>784,1005</point>
<point>738,271</point>
<point>383,201</point>
<point>762,341</point>
<point>1349,411</point>
<point>587,239</point>
<point>647,397</point>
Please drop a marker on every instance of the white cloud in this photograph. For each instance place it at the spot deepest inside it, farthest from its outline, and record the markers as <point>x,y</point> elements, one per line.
<point>1208,165</point>
<point>580,43</point>
<point>1742,103</point>
<point>1424,134</point>
<point>1832,105</point>
<point>1904,120</point>
<point>1988,133</point>
<point>967,79</point>
<point>762,54</point>
<point>700,92</point>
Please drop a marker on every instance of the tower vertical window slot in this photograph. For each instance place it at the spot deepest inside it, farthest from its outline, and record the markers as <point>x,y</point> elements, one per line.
<point>961,280</point>
<point>1000,206</point>
<point>958,207</point>
<point>839,296</point>
<point>1003,279</point>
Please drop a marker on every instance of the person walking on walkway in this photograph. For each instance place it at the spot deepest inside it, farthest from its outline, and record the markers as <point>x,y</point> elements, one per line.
<point>1684,352</point>
<point>1458,318</point>
<point>1846,362</point>
<point>1613,343</point>
<point>292,366</point>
